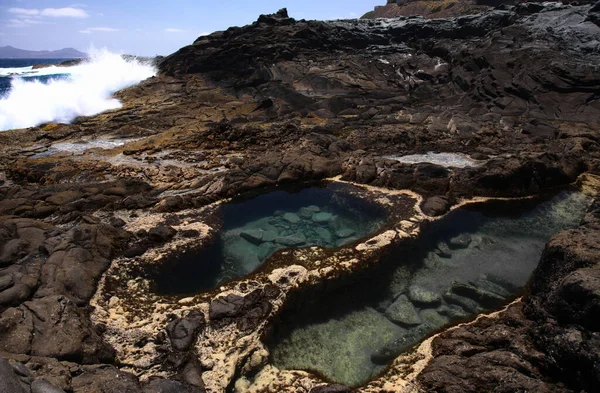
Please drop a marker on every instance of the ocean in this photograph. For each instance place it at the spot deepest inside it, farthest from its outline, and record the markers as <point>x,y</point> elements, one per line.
<point>23,68</point>
<point>31,97</point>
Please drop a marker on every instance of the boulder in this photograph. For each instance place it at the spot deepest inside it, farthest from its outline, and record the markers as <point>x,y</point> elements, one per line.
<point>436,206</point>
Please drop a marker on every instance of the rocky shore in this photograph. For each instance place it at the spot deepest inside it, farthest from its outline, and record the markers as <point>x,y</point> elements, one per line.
<point>90,210</point>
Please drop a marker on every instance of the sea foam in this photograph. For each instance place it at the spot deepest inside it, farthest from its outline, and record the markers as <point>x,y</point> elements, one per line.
<point>81,90</point>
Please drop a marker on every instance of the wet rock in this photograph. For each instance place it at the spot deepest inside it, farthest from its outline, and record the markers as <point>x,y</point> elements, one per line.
<point>420,295</point>
<point>403,312</point>
<point>161,233</point>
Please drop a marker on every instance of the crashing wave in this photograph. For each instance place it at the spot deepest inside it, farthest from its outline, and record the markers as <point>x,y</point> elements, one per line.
<point>81,90</point>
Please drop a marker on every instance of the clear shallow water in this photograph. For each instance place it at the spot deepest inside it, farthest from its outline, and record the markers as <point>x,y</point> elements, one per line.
<point>255,229</point>
<point>474,259</point>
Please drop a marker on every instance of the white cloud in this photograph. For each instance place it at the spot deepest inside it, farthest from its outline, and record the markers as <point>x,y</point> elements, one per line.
<point>24,11</point>
<point>67,12</point>
<point>24,22</point>
<point>172,30</point>
<point>90,30</point>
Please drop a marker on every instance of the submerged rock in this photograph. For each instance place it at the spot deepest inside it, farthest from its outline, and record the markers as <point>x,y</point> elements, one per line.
<point>422,296</point>
<point>405,341</point>
<point>292,218</point>
<point>403,312</point>
<point>253,235</point>
<point>485,298</point>
<point>432,318</point>
<point>468,304</point>
<point>307,212</point>
<point>461,241</point>
<point>344,233</point>
<point>453,311</point>
<point>291,240</point>
<point>322,217</point>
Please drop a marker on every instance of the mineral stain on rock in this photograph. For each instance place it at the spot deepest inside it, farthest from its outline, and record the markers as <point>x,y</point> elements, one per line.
<point>350,333</point>
<point>254,229</point>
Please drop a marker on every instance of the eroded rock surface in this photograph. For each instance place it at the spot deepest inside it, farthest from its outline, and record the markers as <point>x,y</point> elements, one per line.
<point>281,102</point>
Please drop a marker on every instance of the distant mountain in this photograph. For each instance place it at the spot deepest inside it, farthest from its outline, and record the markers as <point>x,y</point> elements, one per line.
<point>9,52</point>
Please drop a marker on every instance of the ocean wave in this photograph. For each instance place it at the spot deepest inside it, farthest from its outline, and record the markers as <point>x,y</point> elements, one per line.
<point>27,72</point>
<point>82,90</point>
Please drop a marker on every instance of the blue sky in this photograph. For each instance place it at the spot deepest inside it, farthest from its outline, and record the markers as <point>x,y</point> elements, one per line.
<point>147,27</point>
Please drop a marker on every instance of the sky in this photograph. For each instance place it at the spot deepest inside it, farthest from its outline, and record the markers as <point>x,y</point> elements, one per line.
<point>146,27</point>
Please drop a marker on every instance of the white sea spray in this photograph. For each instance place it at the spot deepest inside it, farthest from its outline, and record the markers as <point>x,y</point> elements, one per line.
<point>82,90</point>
